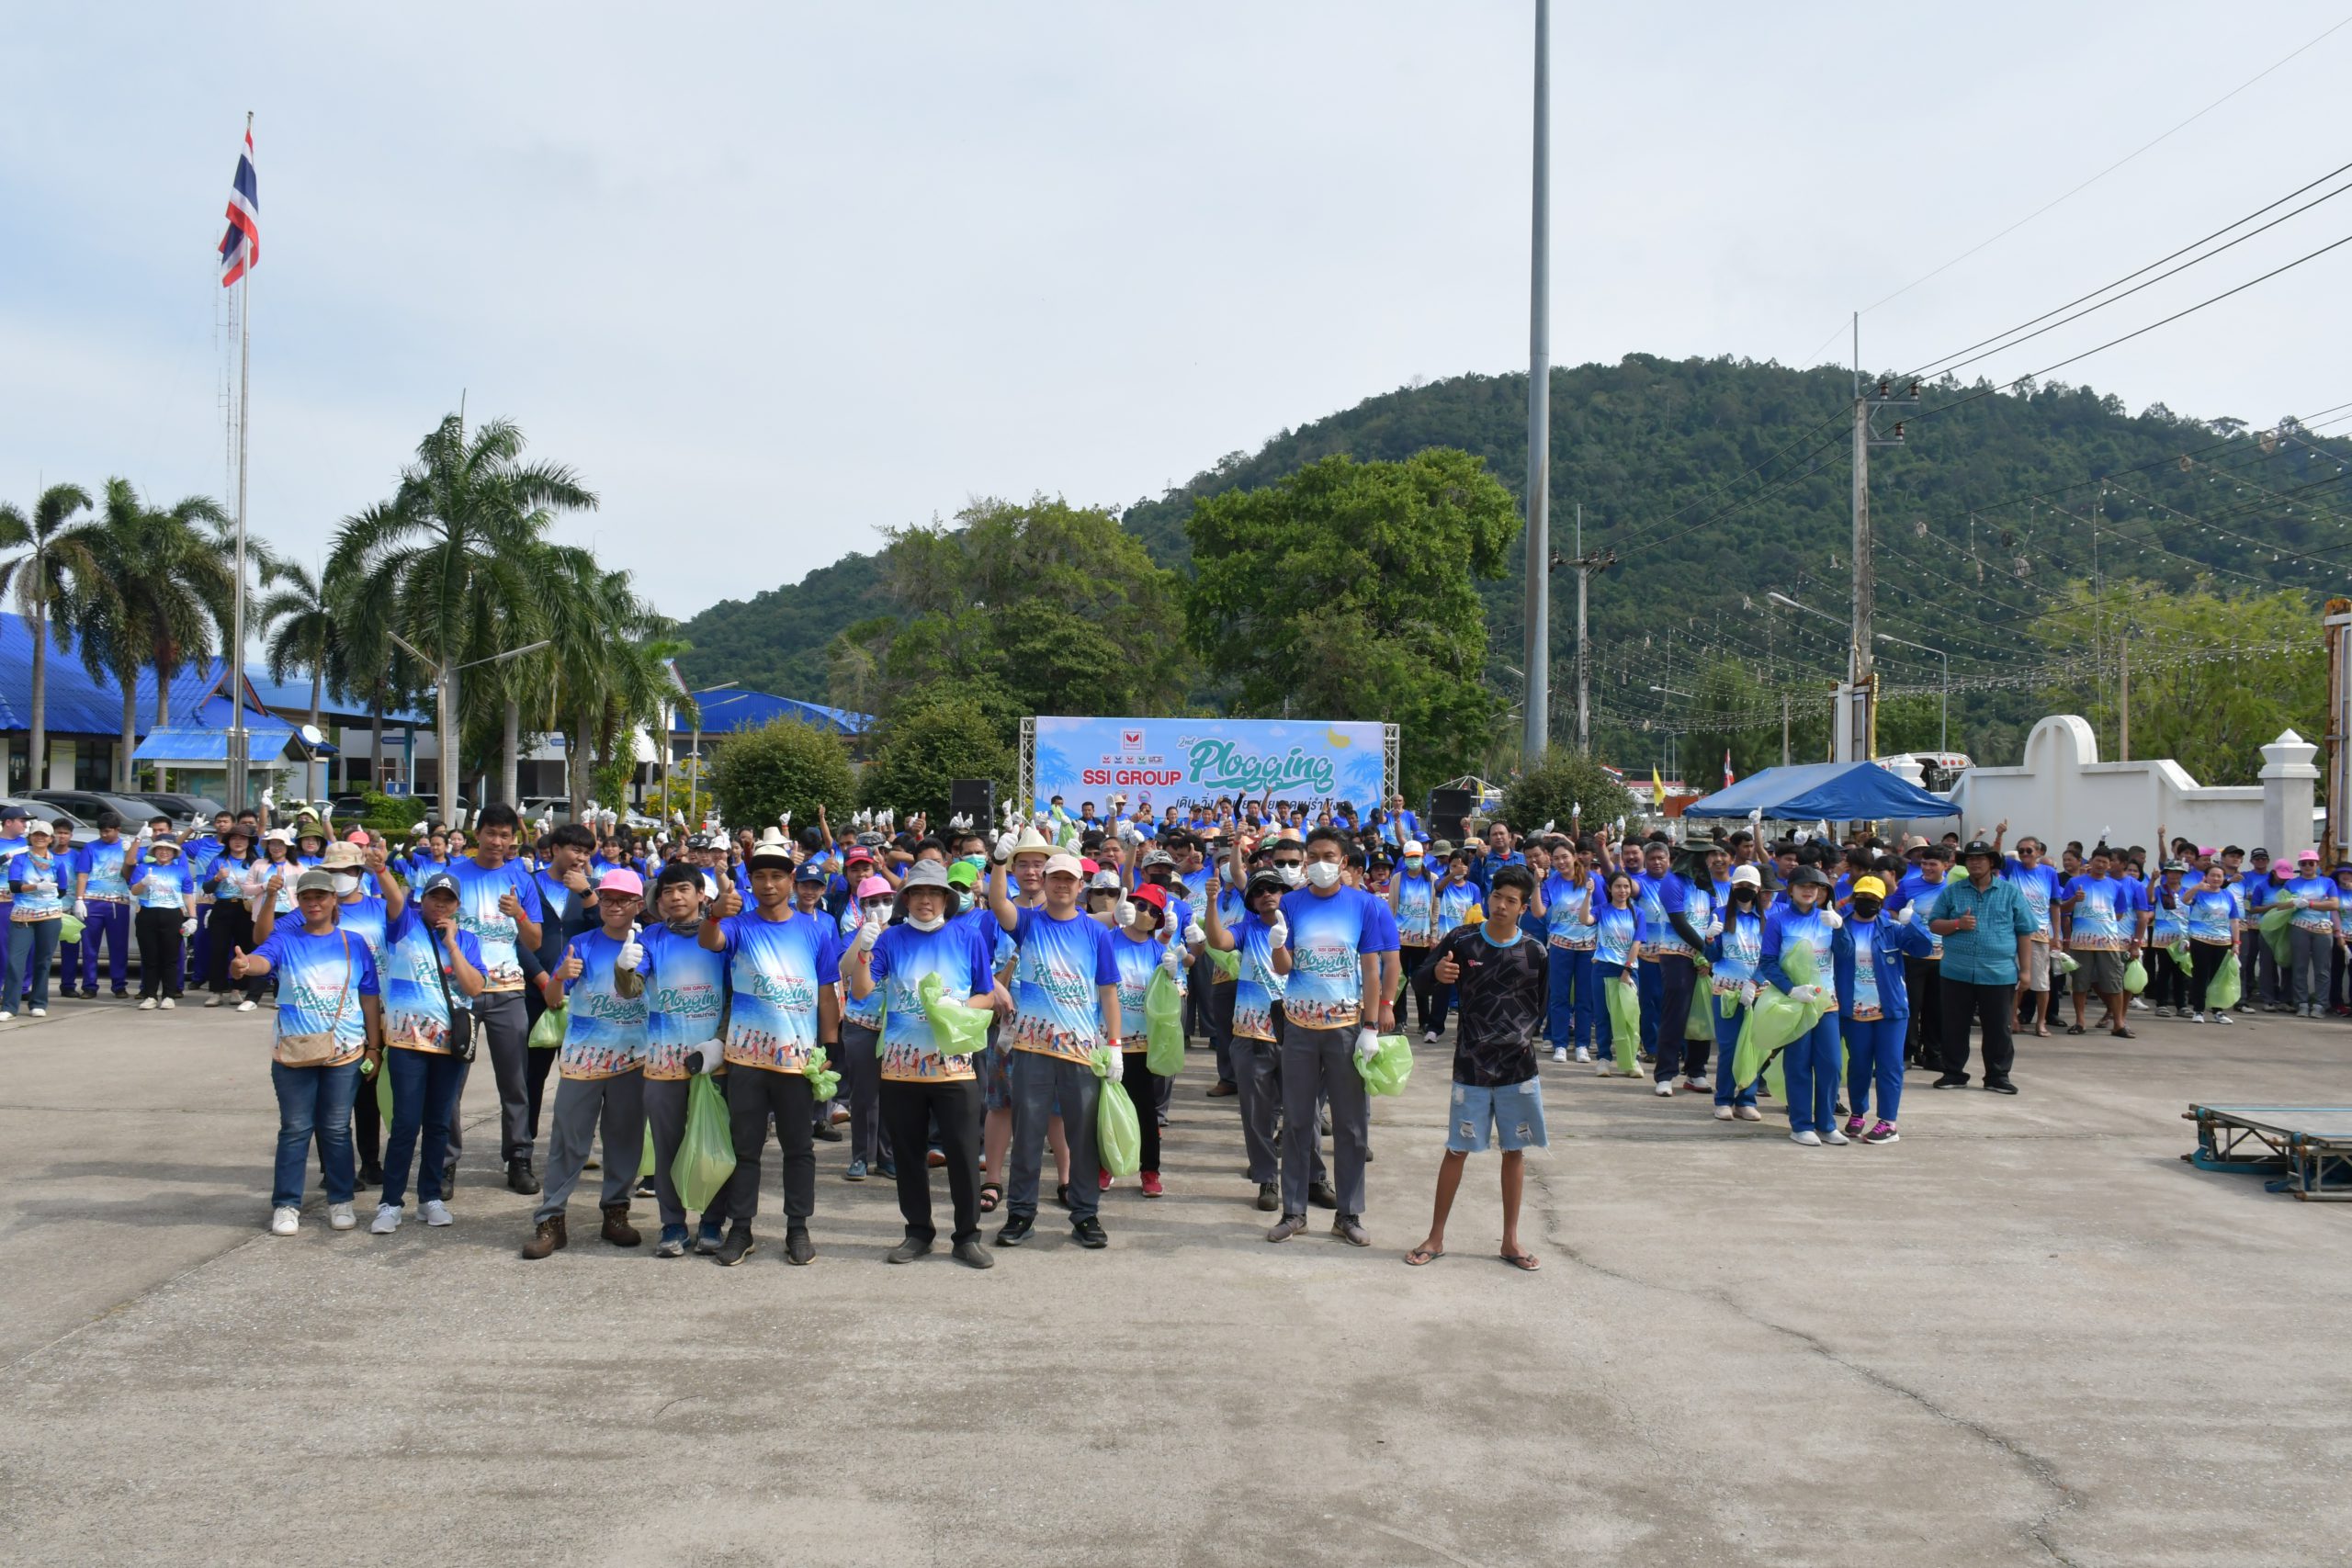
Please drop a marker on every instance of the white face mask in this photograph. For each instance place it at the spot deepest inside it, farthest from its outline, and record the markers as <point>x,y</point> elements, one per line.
<point>932,924</point>
<point>346,882</point>
<point>1291,875</point>
<point>1323,874</point>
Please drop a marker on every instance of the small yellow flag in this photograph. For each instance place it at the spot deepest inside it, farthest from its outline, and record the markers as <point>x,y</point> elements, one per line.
<point>1658,790</point>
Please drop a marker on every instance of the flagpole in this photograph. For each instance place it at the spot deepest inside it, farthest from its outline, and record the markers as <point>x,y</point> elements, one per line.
<point>238,761</point>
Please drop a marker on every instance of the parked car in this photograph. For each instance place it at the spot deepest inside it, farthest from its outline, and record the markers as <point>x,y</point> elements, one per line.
<point>187,810</point>
<point>54,815</point>
<point>89,804</point>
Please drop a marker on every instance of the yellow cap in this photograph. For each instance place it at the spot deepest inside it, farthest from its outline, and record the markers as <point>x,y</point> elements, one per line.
<point>1871,885</point>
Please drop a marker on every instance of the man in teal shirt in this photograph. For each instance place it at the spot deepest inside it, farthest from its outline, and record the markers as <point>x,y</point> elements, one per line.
<point>1985,925</point>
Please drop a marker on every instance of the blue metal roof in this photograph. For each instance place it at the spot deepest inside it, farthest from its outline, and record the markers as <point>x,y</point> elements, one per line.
<point>732,710</point>
<point>203,737</point>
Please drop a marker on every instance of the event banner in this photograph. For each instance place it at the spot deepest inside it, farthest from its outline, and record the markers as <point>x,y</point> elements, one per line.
<point>1176,760</point>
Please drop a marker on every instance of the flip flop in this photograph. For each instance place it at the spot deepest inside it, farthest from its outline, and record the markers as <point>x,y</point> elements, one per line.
<point>990,1194</point>
<point>1525,1262</point>
<point>1422,1255</point>
<point>2073,1029</point>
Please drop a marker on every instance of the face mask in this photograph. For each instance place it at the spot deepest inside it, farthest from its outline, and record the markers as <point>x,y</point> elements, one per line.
<point>1865,907</point>
<point>1323,874</point>
<point>1412,863</point>
<point>1291,873</point>
<point>1743,894</point>
<point>346,882</point>
<point>963,902</point>
<point>932,924</point>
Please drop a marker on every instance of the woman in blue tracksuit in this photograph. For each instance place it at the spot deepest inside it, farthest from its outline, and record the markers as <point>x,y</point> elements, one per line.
<point>1619,932</point>
<point>1732,954</point>
<point>1873,1006</point>
<point>1810,1061</point>
<point>1569,902</point>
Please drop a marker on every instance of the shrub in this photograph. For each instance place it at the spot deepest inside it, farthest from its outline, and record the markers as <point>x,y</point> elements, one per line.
<point>1554,789</point>
<point>925,750</point>
<point>785,765</point>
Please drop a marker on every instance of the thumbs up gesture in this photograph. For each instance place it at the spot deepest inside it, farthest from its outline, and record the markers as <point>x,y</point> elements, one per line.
<point>632,952</point>
<point>239,965</point>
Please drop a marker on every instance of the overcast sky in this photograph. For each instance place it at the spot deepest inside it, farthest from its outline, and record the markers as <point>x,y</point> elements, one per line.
<point>772,277</point>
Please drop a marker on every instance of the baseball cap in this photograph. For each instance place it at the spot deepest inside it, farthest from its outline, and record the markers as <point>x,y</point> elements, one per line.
<point>872,887</point>
<point>1870,885</point>
<point>1153,899</point>
<point>313,881</point>
<point>1062,864</point>
<point>810,871</point>
<point>620,879</point>
<point>1412,846</point>
<point>2308,857</point>
<point>12,812</point>
<point>1747,876</point>
<point>439,882</point>
<point>963,874</point>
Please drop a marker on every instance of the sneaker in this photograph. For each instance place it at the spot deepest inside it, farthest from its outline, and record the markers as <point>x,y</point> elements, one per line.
<point>907,1251</point>
<point>1089,1232</point>
<point>1559,1053</point>
<point>4,1017</point>
<point>826,1133</point>
<point>146,1004</point>
<point>2194,1017</point>
<point>707,1240</point>
<point>1603,1070</point>
<point>213,1000</point>
<point>840,1113</point>
<point>1722,1112</point>
<point>43,1013</point>
<point>1699,1085</point>
<point>1854,1126</point>
<point>2224,1018</point>
<point>888,1170</point>
<point>1105,1179</point>
<point>1287,1227</point>
<point>933,1158</point>
<point>283,1220</point>
<point>1584,1053</point>
<point>1323,1195</point>
<point>168,1004</point>
<point>435,1213</point>
<point>1151,1188</point>
<point>2164,1012</point>
<point>245,1005</point>
<point>1663,1089</point>
<point>1950,1080</point>
<point>387,1220</point>
<point>340,1216</point>
<point>1809,1138</point>
<point>1221,1089</point>
<point>1016,1230</point>
<point>1429,1037</point>
<point>1747,1113</point>
<point>2002,1086</point>
<point>672,1242</point>
<point>972,1255</point>
<point>1884,1132</point>
<point>856,1171</point>
<point>798,1250</point>
<point>1270,1196</point>
<point>2139,1006</point>
<point>739,1244</point>
<point>1835,1136</point>
<point>1350,1229</point>
<point>645,1187</point>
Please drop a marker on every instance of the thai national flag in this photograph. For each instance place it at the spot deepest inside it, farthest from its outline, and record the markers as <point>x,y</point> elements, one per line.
<point>241,246</point>
<point>1727,780</point>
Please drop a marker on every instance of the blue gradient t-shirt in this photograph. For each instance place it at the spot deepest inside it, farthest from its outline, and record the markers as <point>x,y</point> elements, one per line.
<point>1257,986</point>
<point>685,998</point>
<point>415,970</point>
<point>320,981</point>
<point>479,892</point>
<point>902,958</point>
<point>776,970</point>
<point>1329,935</point>
<point>1055,1012</point>
<point>604,1032</point>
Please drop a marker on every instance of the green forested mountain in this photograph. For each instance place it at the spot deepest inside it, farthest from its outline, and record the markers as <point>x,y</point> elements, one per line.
<point>1717,481</point>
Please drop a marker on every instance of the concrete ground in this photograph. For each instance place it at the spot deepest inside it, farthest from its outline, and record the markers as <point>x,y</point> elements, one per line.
<point>2026,1334</point>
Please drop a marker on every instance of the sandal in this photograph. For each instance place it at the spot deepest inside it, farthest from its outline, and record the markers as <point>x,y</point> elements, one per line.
<point>991,1195</point>
<point>2073,1029</point>
<point>1521,1261</point>
<point>2042,1033</point>
<point>2122,1034</point>
<point>1422,1255</point>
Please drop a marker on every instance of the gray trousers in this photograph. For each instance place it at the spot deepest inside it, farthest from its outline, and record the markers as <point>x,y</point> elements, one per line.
<point>1257,1090</point>
<point>2309,952</point>
<point>861,1070</point>
<point>1317,1063</point>
<point>1041,1085</point>
<point>506,1029</point>
<point>618,1103</point>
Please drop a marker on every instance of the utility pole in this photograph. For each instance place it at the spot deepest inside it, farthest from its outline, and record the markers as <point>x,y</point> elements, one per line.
<point>2123,700</point>
<point>1587,566</point>
<point>1857,739</point>
<point>1784,729</point>
<point>1537,734</point>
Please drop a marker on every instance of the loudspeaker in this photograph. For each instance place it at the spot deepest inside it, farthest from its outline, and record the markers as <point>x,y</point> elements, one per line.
<point>1448,810</point>
<point>974,798</point>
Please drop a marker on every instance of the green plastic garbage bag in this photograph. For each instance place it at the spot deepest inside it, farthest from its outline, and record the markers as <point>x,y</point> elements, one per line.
<point>1624,1023</point>
<point>2136,977</point>
<point>1229,965</point>
<point>645,1156</point>
<point>1697,1025</point>
<point>1118,1136</point>
<point>1163,1024</point>
<point>2179,951</point>
<point>69,929</point>
<point>1776,1019</point>
<point>1727,1004</point>
<point>2274,923</point>
<point>824,1083</point>
<point>707,1153</point>
<point>547,1033</point>
<point>1390,1067</point>
<point>384,1092</point>
<point>2067,962</point>
<point>956,1029</point>
<point>2222,991</point>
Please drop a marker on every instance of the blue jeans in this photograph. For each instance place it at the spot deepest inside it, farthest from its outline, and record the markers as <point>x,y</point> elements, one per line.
<point>30,946</point>
<point>1651,982</point>
<point>425,1099</point>
<point>1874,1052</point>
<point>1038,1081</point>
<point>1726,1048</point>
<point>1810,1066</point>
<point>313,1099</point>
<point>1573,997</point>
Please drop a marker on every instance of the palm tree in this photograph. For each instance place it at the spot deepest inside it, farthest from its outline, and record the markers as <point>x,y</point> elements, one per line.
<point>448,558</point>
<point>300,627</point>
<point>157,599</point>
<point>610,660</point>
<point>55,556</point>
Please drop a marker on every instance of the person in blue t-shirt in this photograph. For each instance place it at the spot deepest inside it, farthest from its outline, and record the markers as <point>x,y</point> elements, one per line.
<point>166,897</point>
<point>37,880</point>
<point>1873,1006</point>
<point>2041,885</point>
<point>1620,930</point>
<point>1261,940</point>
<point>1811,1061</point>
<point>2310,935</point>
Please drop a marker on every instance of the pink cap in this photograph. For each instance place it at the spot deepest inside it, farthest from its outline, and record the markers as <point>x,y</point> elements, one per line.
<point>356,836</point>
<point>620,879</point>
<point>872,887</point>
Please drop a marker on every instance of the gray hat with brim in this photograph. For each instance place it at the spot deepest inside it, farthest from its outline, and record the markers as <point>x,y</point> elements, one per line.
<point>314,881</point>
<point>923,873</point>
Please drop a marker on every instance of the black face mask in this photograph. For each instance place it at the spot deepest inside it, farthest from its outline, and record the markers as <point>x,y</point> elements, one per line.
<point>1865,907</point>
<point>1743,894</point>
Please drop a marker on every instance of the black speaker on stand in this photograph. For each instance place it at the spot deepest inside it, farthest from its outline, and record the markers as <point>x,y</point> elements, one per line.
<point>1448,812</point>
<point>972,798</point>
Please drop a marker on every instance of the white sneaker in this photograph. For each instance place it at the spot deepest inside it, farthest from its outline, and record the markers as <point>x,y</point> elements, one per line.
<point>1665,1089</point>
<point>169,1004</point>
<point>1699,1085</point>
<point>1809,1138</point>
<point>40,1012</point>
<point>1429,1037</point>
<point>2224,1018</point>
<point>1584,1054</point>
<point>1722,1112</point>
<point>284,1220</point>
<point>4,1017</point>
<point>146,1004</point>
<point>1835,1136</point>
<point>1747,1113</point>
<point>387,1220</point>
<point>340,1216</point>
<point>2195,1018</point>
<point>2139,1006</point>
<point>436,1211</point>
<point>1559,1053</point>
<point>213,1000</point>
<point>245,1005</point>
<point>1600,1069</point>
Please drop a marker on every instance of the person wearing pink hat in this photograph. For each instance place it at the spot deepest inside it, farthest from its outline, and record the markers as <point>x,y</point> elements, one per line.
<point>601,1067</point>
<point>861,1057</point>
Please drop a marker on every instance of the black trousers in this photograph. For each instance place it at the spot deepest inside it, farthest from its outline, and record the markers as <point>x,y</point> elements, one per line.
<point>910,1111</point>
<point>159,951</point>
<point>2206,959</point>
<point>1144,1091</point>
<point>1923,978</point>
<point>2167,981</point>
<point>1412,958</point>
<point>506,1030</point>
<point>230,925</point>
<point>1990,1007</point>
<point>753,1095</point>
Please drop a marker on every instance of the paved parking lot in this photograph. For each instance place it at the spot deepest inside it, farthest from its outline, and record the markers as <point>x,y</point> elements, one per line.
<point>2027,1334</point>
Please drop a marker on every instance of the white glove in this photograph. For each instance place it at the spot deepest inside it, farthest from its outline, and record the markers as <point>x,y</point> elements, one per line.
<point>1118,1064</point>
<point>869,933</point>
<point>187,927</point>
<point>1832,918</point>
<point>1188,930</point>
<point>1809,994</point>
<point>705,1058</point>
<point>1748,993</point>
<point>1169,961</point>
<point>1278,934</point>
<point>1712,930</point>
<point>1004,842</point>
<point>1367,1044</point>
<point>1548,824</point>
<point>632,952</point>
<point>1125,914</point>
<point>81,910</point>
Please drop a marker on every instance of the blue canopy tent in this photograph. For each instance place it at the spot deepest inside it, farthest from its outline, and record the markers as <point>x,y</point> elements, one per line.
<point>1827,791</point>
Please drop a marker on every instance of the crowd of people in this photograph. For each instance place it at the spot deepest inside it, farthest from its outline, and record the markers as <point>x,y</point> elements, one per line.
<point>799,972</point>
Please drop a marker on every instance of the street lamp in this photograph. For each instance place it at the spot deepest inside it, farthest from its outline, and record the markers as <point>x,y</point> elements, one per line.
<point>1943,720</point>
<point>1779,598</point>
<point>693,777</point>
<point>445,716</point>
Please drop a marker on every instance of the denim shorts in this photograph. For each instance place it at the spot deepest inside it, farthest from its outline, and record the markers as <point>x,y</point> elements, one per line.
<point>1512,1115</point>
